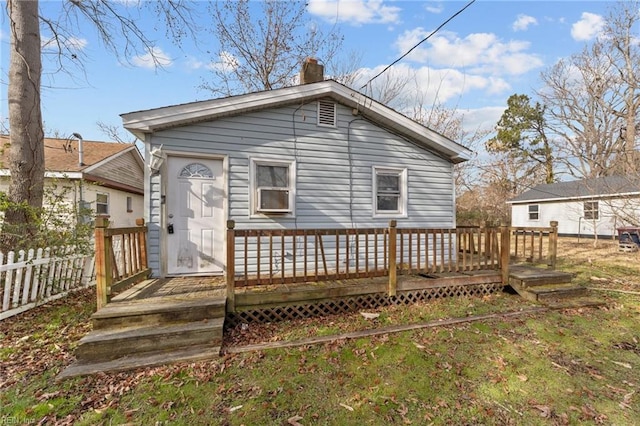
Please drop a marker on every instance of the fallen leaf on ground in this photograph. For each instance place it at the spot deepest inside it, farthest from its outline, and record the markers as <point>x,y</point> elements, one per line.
<point>346,406</point>
<point>545,411</point>
<point>293,421</point>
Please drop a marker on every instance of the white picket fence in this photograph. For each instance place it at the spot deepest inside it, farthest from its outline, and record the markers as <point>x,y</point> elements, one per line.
<point>31,278</point>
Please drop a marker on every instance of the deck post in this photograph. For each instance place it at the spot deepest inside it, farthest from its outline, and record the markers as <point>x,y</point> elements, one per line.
<point>104,270</point>
<point>505,251</point>
<point>231,266</point>
<point>142,245</point>
<point>553,244</point>
<point>393,232</point>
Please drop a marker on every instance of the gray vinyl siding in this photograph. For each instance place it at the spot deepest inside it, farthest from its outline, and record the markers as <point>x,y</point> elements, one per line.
<point>333,169</point>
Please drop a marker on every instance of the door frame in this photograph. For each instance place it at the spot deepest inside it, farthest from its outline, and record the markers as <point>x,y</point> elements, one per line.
<point>163,196</point>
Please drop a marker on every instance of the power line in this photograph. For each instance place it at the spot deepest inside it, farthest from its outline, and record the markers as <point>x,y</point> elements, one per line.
<point>418,44</point>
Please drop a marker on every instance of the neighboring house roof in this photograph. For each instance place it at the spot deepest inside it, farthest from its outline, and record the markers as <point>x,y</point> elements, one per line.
<point>149,121</point>
<point>106,163</point>
<point>608,186</point>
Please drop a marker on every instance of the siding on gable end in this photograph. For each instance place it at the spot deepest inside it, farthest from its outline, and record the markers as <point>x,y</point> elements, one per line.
<point>122,169</point>
<point>333,166</point>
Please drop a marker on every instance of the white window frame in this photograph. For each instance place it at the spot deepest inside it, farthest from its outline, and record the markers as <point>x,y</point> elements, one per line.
<point>254,196</point>
<point>530,212</point>
<point>98,194</point>
<point>594,211</point>
<point>404,191</point>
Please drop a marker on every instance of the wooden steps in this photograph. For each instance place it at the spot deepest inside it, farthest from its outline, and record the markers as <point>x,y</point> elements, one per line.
<point>550,287</point>
<point>148,312</point>
<point>148,332</point>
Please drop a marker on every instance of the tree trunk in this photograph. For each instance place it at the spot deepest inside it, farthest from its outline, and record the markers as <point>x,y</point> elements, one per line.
<point>26,150</point>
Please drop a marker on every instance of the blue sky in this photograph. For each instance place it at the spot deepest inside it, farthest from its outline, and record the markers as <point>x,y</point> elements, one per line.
<point>490,51</point>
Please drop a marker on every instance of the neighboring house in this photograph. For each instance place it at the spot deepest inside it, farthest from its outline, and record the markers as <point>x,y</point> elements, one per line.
<point>584,207</point>
<point>110,179</point>
<point>317,155</point>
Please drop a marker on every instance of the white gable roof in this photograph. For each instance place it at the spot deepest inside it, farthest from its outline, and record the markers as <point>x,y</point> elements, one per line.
<point>152,120</point>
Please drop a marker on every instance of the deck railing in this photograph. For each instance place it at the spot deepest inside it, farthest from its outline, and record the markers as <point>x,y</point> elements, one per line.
<point>121,257</point>
<point>535,245</point>
<point>276,257</point>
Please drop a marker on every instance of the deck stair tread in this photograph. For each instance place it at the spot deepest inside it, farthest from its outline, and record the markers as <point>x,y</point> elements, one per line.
<point>148,331</point>
<point>103,345</point>
<point>545,286</point>
<point>576,302</point>
<point>150,306</point>
<point>529,277</point>
<point>149,359</point>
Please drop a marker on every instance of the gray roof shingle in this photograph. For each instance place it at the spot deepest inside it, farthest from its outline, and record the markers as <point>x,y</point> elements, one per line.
<point>595,187</point>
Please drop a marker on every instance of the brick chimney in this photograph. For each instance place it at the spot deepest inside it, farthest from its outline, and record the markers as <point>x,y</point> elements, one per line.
<point>311,72</point>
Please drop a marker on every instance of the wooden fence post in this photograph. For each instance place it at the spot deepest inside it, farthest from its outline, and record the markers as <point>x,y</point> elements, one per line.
<point>142,244</point>
<point>553,244</point>
<point>505,251</point>
<point>392,257</point>
<point>231,266</point>
<point>104,270</point>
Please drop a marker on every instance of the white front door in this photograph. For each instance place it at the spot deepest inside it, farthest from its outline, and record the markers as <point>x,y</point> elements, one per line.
<point>195,216</point>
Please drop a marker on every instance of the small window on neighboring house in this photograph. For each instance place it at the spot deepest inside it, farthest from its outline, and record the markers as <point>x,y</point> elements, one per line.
<point>102,203</point>
<point>326,113</point>
<point>390,191</point>
<point>590,209</point>
<point>129,204</point>
<point>273,184</point>
<point>534,212</point>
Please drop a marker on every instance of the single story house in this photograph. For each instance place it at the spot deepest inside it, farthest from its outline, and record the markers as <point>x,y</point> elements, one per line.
<point>106,178</point>
<point>586,207</point>
<point>316,155</point>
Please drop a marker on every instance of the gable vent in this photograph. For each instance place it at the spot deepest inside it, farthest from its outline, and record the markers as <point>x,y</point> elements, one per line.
<point>326,113</point>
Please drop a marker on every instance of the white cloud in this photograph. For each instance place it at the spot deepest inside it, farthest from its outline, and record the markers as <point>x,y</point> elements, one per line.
<point>477,53</point>
<point>482,118</point>
<point>426,85</point>
<point>226,63</point>
<point>355,12</point>
<point>588,27</point>
<point>194,63</point>
<point>523,22</point>
<point>155,57</point>
<point>70,43</point>
<point>434,8</point>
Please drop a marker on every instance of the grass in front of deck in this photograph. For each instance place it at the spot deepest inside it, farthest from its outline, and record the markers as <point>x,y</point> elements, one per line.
<point>577,366</point>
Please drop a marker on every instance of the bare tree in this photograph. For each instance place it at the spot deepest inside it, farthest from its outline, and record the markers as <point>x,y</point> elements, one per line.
<point>26,139</point>
<point>623,49</point>
<point>593,98</point>
<point>114,133</point>
<point>262,45</point>
<point>116,25</point>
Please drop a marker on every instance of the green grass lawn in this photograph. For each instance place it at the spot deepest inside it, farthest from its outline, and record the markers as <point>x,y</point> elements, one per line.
<point>576,366</point>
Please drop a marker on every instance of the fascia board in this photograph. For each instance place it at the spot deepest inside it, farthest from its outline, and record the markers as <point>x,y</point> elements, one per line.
<point>583,197</point>
<point>63,175</point>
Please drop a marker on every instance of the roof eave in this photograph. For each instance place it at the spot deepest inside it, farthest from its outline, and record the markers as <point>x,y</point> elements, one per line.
<point>144,122</point>
<point>576,198</point>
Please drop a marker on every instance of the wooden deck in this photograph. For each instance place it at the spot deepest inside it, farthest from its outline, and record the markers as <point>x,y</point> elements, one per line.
<point>174,288</point>
<point>178,319</point>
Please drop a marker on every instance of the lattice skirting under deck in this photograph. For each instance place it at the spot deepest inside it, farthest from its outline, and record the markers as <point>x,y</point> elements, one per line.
<point>356,303</point>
